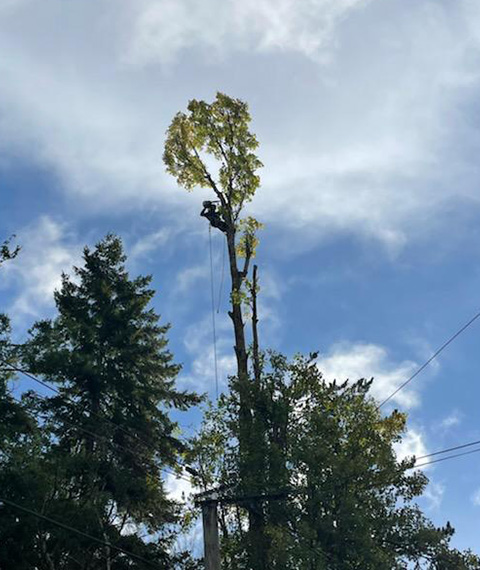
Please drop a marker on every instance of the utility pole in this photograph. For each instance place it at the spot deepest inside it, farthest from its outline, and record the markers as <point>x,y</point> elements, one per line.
<point>210,535</point>
<point>208,501</point>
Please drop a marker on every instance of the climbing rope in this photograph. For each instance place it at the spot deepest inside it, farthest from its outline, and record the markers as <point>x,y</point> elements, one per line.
<point>213,312</point>
<point>220,289</point>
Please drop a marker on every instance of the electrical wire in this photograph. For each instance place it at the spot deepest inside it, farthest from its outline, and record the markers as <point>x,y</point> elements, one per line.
<point>28,374</point>
<point>463,446</point>
<point>186,477</point>
<point>446,458</point>
<point>94,434</point>
<point>77,531</point>
<point>434,355</point>
<point>57,391</point>
<point>213,312</point>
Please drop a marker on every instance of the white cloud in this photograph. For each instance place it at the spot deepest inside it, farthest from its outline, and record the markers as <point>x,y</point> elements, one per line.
<point>354,361</point>
<point>164,28</point>
<point>412,443</point>
<point>434,495</point>
<point>6,5</point>
<point>149,243</point>
<point>178,489</point>
<point>190,276</point>
<point>198,342</point>
<point>47,251</point>
<point>451,420</point>
<point>366,143</point>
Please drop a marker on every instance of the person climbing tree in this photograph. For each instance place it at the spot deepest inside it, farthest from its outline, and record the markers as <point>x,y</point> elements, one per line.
<point>210,212</point>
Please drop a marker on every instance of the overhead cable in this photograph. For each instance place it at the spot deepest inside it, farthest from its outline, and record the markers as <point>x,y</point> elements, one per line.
<point>434,355</point>
<point>77,531</point>
<point>96,435</point>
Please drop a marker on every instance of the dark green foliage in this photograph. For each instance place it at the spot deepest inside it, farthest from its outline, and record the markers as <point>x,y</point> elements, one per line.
<point>6,252</point>
<point>20,444</point>
<point>109,428</point>
<point>348,503</point>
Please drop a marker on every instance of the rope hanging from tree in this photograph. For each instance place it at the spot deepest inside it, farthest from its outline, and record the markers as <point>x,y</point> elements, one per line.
<point>214,330</point>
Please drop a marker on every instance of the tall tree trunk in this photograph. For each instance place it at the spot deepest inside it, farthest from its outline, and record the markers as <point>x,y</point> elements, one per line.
<point>250,475</point>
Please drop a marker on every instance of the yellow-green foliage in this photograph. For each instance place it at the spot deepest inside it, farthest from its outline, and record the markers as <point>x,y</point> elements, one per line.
<point>219,129</point>
<point>248,241</point>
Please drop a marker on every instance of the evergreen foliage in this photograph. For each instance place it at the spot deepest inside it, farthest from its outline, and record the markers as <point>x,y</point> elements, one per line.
<point>109,428</point>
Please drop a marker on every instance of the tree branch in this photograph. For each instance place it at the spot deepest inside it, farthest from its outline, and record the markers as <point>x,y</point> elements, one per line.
<point>256,357</point>
<point>209,178</point>
<point>246,265</point>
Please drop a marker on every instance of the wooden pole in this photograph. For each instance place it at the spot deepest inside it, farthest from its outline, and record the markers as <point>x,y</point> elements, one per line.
<point>210,535</point>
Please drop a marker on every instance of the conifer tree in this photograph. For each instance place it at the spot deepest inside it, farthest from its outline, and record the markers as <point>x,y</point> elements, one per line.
<point>106,354</point>
<point>20,446</point>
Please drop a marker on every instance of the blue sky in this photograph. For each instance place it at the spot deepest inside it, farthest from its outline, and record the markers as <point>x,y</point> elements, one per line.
<point>368,121</point>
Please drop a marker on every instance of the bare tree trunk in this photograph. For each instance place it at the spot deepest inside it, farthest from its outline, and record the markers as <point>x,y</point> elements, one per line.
<point>249,475</point>
<point>256,355</point>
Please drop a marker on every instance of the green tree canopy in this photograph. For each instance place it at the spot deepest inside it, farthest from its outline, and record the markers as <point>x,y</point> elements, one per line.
<point>221,130</point>
<point>341,498</point>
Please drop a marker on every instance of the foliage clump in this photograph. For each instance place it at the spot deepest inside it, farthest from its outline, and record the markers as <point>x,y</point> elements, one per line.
<point>341,499</point>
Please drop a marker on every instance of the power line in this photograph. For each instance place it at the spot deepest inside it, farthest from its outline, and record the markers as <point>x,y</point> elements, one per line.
<point>57,391</point>
<point>434,355</point>
<point>442,451</point>
<point>77,531</point>
<point>113,443</point>
<point>28,374</point>
<point>213,311</point>
<point>446,458</point>
<point>94,434</point>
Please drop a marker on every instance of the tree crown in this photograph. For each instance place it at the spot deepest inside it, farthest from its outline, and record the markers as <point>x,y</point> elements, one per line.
<point>221,130</point>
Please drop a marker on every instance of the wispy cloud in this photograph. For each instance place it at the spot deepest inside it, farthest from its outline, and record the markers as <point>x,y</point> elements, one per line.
<point>198,342</point>
<point>149,243</point>
<point>412,444</point>
<point>452,420</point>
<point>163,29</point>
<point>476,498</point>
<point>361,360</point>
<point>191,276</point>
<point>434,495</point>
<point>48,249</point>
<point>359,119</point>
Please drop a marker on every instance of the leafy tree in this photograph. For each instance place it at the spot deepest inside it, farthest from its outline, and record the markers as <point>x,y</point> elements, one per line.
<point>220,131</point>
<point>109,425</point>
<point>339,497</point>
